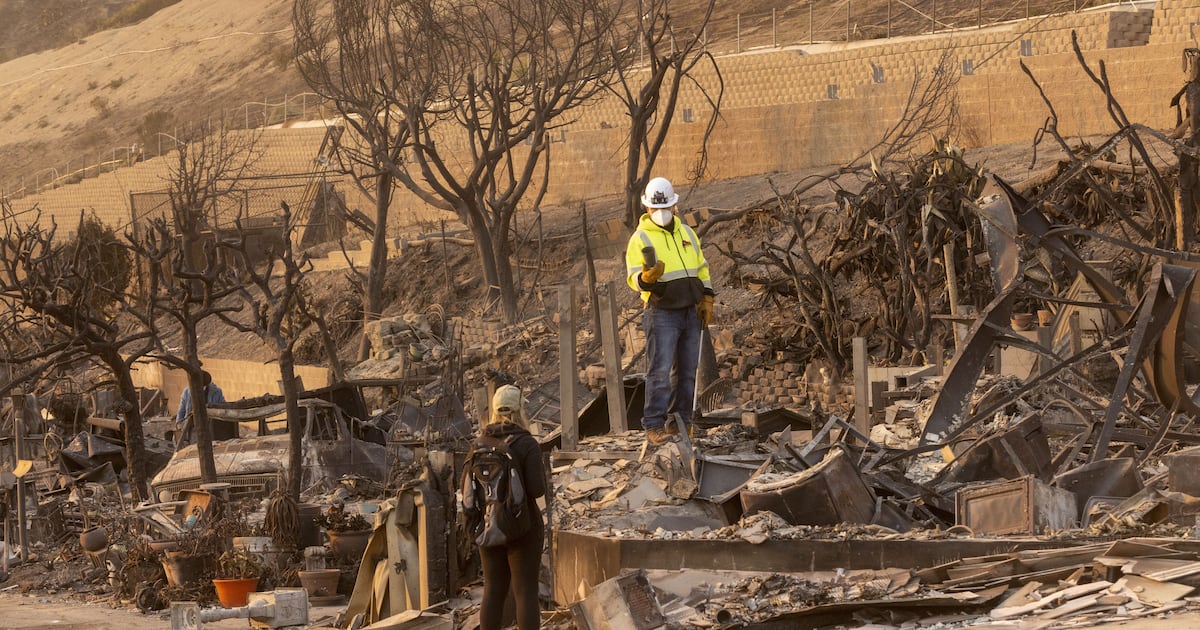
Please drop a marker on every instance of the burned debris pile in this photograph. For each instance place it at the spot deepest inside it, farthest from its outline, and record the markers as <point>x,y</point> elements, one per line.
<point>1062,421</point>
<point>942,397</point>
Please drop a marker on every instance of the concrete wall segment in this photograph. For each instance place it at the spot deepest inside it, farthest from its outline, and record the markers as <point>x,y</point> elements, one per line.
<point>237,379</point>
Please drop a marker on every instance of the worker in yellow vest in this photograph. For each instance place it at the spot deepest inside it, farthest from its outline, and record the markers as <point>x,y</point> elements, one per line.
<point>665,264</point>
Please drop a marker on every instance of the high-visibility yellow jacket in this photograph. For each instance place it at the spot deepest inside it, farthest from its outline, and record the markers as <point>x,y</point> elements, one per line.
<point>685,277</point>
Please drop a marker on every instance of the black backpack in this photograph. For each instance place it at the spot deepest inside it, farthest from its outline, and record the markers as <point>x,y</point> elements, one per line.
<point>493,494</point>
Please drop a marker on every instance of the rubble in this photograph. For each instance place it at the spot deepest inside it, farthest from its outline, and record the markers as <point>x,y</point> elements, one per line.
<point>995,466</point>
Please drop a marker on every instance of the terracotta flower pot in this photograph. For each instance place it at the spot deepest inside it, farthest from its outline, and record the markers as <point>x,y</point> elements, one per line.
<point>349,544</point>
<point>1022,321</point>
<point>234,592</point>
<point>182,569</point>
<point>94,539</point>
<point>320,582</point>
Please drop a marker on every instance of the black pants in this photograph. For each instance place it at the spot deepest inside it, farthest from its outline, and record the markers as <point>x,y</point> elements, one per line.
<point>514,566</point>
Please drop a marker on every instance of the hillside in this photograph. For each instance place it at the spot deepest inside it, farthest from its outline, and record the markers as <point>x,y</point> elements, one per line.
<point>85,98</point>
<point>196,60</point>
<point>29,26</point>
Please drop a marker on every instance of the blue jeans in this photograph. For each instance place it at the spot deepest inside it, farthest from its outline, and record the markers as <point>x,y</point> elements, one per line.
<point>673,350</point>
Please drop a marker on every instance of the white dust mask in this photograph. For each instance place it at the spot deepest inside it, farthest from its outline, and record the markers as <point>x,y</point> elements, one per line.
<point>662,217</point>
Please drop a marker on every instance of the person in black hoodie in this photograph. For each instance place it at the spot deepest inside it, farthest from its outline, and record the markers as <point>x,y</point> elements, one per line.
<point>515,566</point>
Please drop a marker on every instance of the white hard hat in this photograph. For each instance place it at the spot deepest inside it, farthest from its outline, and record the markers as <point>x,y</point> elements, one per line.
<point>659,194</point>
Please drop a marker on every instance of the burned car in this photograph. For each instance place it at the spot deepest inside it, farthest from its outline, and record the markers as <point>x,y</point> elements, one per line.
<point>255,466</point>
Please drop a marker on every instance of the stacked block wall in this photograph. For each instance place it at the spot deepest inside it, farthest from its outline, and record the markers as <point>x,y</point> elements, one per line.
<point>784,385</point>
<point>477,332</point>
<point>1175,21</point>
<point>778,114</point>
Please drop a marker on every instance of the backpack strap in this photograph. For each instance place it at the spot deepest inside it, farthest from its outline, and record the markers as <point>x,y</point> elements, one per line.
<point>489,441</point>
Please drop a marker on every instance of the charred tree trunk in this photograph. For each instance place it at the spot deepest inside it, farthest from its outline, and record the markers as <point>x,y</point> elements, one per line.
<point>135,441</point>
<point>504,277</point>
<point>200,421</point>
<point>295,422</point>
<point>377,271</point>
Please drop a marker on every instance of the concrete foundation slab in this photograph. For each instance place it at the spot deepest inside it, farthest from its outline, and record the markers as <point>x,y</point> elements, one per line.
<point>583,560</point>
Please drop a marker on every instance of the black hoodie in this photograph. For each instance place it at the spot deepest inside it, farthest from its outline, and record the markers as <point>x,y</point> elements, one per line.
<point>526,450</point>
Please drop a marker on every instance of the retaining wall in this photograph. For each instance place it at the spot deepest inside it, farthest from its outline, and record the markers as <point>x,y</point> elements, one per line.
<point>796,108</point>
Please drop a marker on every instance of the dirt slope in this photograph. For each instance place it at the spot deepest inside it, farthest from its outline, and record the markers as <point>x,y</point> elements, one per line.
<point>29,26</point>
<point>84,101</point>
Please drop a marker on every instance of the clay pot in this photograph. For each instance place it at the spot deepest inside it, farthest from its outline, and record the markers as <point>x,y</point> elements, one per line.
<point>1022,321</point>
<point>263,548</point>
<point>234,592</point>
<point>94,540</point>
<point>320,582</point>
<point>182,569</point>
<point>349,544</point>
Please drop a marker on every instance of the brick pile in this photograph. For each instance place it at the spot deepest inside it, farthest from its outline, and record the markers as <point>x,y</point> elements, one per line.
<point>609,239</point>
<point>407,342</point>
<point>477,335</point>
<point>784,384</point>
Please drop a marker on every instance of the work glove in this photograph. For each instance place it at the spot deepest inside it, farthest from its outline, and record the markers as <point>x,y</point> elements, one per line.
<point>651,275</point>
<point>705,310</point>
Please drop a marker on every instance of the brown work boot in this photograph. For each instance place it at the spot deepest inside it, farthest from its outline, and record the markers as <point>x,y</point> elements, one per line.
<point>657,436</point>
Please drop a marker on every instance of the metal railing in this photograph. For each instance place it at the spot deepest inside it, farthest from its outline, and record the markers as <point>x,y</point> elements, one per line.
<point>252,115</point>
<point>820,21</point>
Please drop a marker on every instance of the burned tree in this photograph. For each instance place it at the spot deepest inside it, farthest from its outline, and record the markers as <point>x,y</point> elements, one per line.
<point>72,290</point>
<point>650,93</point>
<point>275,297</point>
<point>887,239</point>
<point>479,89</point>
<point>186,276</point>
<point>345,56</point>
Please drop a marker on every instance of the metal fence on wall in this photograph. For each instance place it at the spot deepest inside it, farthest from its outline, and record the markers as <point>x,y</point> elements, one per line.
<point>818,21</point>
<point>251,115</point>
